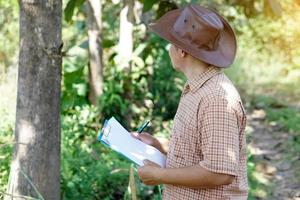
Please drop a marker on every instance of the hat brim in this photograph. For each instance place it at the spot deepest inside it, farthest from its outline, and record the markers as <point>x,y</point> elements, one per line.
<point>222,56</point>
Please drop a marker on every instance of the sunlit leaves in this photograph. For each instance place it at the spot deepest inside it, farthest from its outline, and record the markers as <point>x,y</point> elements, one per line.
<point>273,6</point>
<point>8,33</point>
<point>107,43</point>
<point>148,4</point>
<point>86,165</point>
<point>71,5</point>
<point>74,88</point>
<point>164,7</point>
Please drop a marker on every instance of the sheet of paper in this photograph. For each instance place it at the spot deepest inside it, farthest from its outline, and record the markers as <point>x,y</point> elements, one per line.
<point>119,139</point>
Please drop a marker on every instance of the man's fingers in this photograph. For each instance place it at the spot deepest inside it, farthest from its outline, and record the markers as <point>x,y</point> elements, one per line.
<point>135,134</point>
<point>146,162</point>
<point>150,163</point>
<point>144,137</point>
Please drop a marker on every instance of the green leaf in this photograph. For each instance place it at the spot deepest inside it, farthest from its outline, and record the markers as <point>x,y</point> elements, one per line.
<point>71,67</point>
<point>79,3</point>
<point>84,45</point>
<point>108,43</point>
<point>81,89</point>
<point>138,61</point>
<point>69,10</point>
<point>67,101</point>
<point>74,77</point>
<point>139,49</point>
<point>164,7</point>
<point>148,4</point>
<point>105,44</point>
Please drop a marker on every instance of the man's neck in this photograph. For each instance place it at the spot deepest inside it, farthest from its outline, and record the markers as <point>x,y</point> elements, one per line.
<point>194,69</point>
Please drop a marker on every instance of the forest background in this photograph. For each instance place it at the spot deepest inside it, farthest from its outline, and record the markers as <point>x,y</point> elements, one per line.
<point>137,82</point>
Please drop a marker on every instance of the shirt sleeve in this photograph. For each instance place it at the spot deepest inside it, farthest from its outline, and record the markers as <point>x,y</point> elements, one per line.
<point>219,137</point>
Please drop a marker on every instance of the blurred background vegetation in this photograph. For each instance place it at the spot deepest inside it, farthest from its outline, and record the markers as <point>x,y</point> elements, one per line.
<point>266,72</point>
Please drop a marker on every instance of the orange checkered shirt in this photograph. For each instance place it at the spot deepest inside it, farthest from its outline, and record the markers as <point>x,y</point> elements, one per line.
<point>209,130</point>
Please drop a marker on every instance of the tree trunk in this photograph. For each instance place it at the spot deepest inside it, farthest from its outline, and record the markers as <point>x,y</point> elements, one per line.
<point>35,168</point>
<point>94,14</point>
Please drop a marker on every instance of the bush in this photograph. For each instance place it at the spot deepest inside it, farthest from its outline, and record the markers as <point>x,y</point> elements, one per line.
<point>6,144</point>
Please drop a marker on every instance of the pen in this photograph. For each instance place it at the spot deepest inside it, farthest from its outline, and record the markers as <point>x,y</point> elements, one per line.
<point>143,126</point>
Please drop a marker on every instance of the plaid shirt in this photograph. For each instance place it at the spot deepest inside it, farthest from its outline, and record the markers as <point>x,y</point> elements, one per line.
<point>209,130</point>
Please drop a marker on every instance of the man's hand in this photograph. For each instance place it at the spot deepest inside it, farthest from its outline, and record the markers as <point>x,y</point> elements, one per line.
<point>149,139</point>
<point>149,173</point>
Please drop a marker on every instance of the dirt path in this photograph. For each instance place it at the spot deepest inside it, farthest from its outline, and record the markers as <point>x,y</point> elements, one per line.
<point>277,163</point>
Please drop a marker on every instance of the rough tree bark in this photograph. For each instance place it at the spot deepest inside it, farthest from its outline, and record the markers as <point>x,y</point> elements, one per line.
<point>35,169</point>
<point>94,15</point>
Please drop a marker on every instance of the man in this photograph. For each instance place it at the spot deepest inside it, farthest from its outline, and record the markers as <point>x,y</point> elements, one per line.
<point>206,156</point>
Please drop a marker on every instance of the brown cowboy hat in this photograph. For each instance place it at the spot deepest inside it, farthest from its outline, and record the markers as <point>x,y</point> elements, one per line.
<point>200,32</point>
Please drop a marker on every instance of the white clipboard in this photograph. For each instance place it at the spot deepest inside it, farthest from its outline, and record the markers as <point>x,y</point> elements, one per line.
<point>115,136</point>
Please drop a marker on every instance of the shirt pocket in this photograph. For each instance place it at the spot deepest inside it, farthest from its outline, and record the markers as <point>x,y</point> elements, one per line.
<point>175,157</point>
<point>183,148</point>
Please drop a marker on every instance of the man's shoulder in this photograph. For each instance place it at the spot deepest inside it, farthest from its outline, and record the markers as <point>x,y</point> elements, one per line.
<point>220,88</point>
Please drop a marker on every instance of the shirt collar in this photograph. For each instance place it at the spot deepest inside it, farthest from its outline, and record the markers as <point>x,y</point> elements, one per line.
<point>194,84</point>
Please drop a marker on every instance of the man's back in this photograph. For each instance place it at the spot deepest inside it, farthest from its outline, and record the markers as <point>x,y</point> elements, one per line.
<point>209,130</point>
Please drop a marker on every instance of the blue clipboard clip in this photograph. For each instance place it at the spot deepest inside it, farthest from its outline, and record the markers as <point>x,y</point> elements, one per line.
<point>104,133</point>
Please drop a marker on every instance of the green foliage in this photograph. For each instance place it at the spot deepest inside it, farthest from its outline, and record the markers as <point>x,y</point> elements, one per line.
<point>147,82</point>
<point>87,166</point>
<point>264,102</point>
<point>148,4</point>
<point>112,103</point>
<point>6,144</point>
<point>7,113</point>
<point>8,34</point>
<point>288,117</point>
<point>89,169</point>
<point>172,85</point>
<point>70,8</point>
<point>75,83</point>
<point>253,183</point>
<point>164,7</point>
